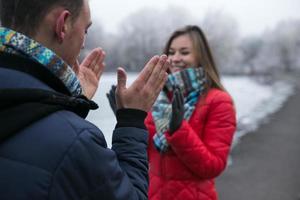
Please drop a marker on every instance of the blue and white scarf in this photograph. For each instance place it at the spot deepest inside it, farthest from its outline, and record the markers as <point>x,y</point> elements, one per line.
<point>16,43</point>
<point>191,82</point>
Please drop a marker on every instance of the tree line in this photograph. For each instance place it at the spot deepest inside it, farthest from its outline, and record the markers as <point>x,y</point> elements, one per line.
<point>144,33</point>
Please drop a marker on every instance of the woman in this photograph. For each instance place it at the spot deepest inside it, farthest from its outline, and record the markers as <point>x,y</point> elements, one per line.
<point>189,146</point>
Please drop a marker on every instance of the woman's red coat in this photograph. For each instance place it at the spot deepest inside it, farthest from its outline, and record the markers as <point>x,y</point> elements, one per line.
<point>198,153</point>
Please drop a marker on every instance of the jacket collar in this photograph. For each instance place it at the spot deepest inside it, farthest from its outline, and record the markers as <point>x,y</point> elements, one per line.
<point>12,42</point>
<point>21,107</point>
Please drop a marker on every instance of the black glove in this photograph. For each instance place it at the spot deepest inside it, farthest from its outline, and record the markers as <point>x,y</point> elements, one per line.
<point>111,96</point>
<point>177,110</point>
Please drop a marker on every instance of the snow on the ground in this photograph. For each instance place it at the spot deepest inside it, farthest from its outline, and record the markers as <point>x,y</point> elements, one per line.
<point>253,103</point>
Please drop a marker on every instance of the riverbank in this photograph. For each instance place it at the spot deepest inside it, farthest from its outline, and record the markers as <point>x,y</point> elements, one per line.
<point>266,162</point>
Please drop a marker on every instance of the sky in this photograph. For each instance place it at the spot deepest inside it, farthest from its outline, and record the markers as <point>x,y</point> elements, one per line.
<point>253,16</point>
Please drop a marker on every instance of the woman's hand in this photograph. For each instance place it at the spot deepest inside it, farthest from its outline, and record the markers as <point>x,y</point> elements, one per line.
<point>111,96</point>
<point>177,110</point>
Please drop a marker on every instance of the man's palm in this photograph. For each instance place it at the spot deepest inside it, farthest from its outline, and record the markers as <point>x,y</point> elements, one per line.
<point>90,71</point>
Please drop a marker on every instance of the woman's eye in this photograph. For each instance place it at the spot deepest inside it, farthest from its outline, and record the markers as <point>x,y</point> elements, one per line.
<point>185,53</point>
<point>171,53</point>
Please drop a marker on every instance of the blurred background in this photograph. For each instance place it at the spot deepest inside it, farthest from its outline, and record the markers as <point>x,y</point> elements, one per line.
<point>256,45</point>
<point>247,37</point>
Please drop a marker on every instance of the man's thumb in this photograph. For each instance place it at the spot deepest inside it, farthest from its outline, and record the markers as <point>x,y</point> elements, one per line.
<point>122,78</point>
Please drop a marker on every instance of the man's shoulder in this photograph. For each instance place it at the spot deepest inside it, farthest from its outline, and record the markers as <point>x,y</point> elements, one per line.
<point>66,127</point>
<point>50,146</point>
<point>45,142</point>
<point>73,121</point>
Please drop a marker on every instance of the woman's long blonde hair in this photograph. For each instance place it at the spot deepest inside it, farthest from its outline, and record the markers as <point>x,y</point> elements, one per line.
<point>203,54</point>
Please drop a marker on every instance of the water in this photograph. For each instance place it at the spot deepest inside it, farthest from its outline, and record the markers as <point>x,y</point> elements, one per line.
<point>253,103</point>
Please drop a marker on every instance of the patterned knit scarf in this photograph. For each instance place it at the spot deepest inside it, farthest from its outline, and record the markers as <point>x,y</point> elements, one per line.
<point>16,43</point>
<point>191,82</point>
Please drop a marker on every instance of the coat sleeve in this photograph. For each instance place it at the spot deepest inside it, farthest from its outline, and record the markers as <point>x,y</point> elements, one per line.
<point>151,131</point>
<point>207,156</point>
<point>150,127</point>
<point>91,171</point>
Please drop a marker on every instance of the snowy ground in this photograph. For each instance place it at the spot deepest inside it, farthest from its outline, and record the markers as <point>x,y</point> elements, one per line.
<point>254,102</point>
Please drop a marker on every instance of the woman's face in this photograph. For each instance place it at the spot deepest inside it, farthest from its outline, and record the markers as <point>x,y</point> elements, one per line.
<point>181,53</point>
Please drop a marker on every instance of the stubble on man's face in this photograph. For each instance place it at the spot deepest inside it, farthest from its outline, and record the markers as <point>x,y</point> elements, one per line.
<point>77,34</point>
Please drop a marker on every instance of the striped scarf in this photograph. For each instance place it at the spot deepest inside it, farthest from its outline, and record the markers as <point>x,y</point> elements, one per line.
<point>191,82</point>
<point>16,43</point>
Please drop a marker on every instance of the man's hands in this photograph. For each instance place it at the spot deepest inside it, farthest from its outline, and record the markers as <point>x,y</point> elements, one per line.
<point>144,90</point>
<point>90,71</point>
<point>177,110</point>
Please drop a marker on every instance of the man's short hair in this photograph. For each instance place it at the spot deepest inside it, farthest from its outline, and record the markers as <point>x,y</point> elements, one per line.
<point>25,16</point>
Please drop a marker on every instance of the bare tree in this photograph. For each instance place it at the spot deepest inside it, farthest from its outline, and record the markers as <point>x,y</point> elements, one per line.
<point>288,44</point>
<point>280,50</point>
<point>223,35</point>
<point>250,48</point>
<point>144,33</point>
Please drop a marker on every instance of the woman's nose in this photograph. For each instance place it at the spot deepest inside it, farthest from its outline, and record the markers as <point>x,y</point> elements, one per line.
<point>176,58</point>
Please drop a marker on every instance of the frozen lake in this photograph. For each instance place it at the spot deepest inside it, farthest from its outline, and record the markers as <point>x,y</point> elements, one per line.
<point>253,102</point>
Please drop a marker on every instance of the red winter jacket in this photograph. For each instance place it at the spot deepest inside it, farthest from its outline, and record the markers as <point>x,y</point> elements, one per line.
<point>198,153</point>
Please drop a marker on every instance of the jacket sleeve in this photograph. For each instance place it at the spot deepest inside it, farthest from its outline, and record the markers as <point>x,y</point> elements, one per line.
<point>151,130</point>
<point>150,126</point>
<point>91,171</point>
<point>207,156</point>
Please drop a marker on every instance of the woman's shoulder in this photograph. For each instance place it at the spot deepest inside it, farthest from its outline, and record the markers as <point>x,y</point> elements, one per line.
<point>215,95</point>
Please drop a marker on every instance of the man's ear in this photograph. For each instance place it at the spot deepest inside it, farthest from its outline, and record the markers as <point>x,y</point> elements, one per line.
<point>62,25</point>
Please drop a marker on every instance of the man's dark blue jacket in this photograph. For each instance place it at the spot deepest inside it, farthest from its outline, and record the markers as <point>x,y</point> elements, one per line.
<point>61,155</point>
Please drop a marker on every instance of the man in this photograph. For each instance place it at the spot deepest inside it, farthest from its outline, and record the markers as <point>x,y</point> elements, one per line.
<point>47,149</point>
